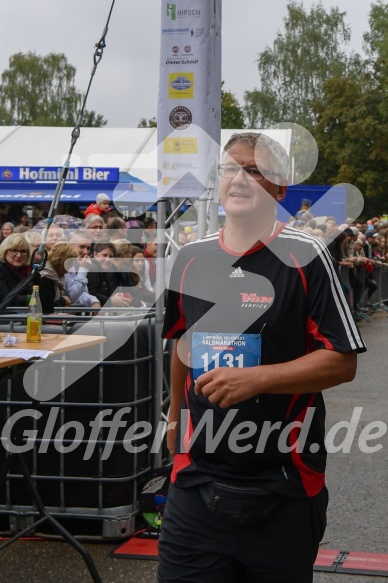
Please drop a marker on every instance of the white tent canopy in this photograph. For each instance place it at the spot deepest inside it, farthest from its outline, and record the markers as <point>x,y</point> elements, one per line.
<point>132,150</point>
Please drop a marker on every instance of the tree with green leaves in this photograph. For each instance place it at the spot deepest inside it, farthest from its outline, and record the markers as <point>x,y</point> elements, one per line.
<point>352,122</point>
<point>302,58</point>
<point>41,91</point>
<point>232,114</point>
<point>151,123</point>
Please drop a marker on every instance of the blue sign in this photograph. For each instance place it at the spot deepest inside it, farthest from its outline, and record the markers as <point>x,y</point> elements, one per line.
<point>53,174</point>
<point>210,350</point>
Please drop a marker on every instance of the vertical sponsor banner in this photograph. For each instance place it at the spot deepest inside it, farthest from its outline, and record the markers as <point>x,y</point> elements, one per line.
<point>189,104</point>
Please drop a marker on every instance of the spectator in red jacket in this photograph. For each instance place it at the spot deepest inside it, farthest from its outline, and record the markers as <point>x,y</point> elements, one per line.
<point>100,207</point>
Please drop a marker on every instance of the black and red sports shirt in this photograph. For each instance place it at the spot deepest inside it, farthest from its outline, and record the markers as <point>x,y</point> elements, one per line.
<point>288,291</point>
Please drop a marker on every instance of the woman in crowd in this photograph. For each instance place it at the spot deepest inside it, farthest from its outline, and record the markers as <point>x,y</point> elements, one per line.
<point>123,256</point>
<point>52,280</point>
<point>15,256</point>
<point>378,249</point>
<point>104,279</point>
<point>123,250</point>
<point>140,276</point>
<point>6,230</point>
<point>336,248</point>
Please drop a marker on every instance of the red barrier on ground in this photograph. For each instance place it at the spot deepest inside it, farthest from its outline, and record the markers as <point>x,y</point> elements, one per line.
<point>143,546</point>
<point>137,548</point>
<point>364,564</point>
<point>327,560</point>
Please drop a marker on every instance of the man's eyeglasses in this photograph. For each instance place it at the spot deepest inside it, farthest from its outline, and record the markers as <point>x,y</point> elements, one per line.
<point>14,252</point>
<point>250,172</point>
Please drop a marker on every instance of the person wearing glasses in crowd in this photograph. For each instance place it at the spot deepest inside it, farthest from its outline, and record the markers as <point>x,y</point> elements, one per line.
<point>261,327</point>
<point>95,226</point>
<point>15,254</point>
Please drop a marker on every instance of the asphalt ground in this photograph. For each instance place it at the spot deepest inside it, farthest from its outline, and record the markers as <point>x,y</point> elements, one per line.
<point>357,481</point>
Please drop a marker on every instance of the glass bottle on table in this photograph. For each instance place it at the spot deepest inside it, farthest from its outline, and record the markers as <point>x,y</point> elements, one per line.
<point>34,317</point>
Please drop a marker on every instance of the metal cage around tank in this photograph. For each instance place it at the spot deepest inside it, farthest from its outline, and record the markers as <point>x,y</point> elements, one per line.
<point>90,482</point>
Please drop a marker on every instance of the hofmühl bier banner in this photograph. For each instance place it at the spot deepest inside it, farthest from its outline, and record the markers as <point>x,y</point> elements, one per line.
<point>189,107</point>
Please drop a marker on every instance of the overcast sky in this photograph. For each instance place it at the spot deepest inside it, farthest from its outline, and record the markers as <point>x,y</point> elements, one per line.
<point>126,82</point>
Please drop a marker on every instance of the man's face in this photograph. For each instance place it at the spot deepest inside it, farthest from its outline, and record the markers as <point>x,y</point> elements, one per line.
<point>243,195</point>
<point>82,246</point>
<point>54,235</point>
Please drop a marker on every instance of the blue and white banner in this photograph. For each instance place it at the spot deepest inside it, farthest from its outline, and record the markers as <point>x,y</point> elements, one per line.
<point>53,173</point>
<point>189,105</point>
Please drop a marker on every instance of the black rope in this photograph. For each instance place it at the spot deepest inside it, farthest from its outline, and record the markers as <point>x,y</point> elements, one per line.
<point>75,134</point>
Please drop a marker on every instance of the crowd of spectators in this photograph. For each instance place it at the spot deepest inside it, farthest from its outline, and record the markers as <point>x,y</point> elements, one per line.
<point>90,264</point>
<point>358,249</point>
<point>94,263</point>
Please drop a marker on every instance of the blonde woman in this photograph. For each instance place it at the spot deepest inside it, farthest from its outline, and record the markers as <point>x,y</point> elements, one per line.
<point>122,260</point>
<point>52,282</point>
<point>15,256</point>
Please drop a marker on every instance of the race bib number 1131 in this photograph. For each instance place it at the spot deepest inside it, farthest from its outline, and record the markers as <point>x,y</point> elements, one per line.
<point>210,350</point>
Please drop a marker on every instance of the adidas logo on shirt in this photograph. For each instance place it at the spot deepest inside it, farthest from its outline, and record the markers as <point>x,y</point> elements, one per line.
<point>238,272</point>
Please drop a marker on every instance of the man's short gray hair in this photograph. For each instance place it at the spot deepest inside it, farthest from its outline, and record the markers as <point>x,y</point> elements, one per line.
<point>263,143</point>
<point>80,234</point>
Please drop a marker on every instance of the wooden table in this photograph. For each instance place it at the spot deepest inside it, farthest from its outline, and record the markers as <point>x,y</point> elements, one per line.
<point>57,343</point>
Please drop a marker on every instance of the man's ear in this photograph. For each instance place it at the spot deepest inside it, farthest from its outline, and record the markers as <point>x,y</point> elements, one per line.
<point>281,193</point>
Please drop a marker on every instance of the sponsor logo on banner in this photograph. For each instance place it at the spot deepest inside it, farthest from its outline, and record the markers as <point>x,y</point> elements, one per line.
<point>180,118</point>
<point>173,13</point>
<point>173,165</point>
<point>181,61</point>
<point>181,83</point>
<point>180,145</point>
<point>181,86</point>
<point>197,32</point>
<point>187,50</point>
<point>7,174</point>
<point>182,30</point>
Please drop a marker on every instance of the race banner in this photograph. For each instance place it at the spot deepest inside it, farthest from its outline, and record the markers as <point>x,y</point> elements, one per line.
<point>189,104</point>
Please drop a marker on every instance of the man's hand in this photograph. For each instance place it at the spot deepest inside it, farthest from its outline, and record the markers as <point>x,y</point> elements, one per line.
<point>226,386</point>
<point>84,261</point>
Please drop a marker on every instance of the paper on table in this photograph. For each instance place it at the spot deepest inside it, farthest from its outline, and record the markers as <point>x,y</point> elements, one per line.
<point>24,354</point>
